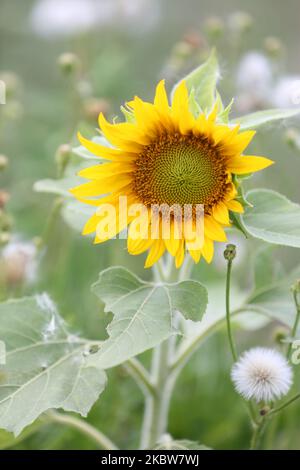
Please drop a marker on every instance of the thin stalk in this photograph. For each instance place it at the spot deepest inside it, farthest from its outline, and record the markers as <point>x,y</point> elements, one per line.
<point>257,434</point>
<point>85,428</point>
<point>141,375</point>
<point>284,405</point>
<point>228,320</point>
<point>296,323</point>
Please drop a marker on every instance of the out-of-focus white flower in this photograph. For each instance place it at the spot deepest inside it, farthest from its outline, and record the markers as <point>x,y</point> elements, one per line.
<point>64,17</point>
<point>254,74</point>
<point>286,93</point>
<point>18,261</point>
<point>262,374</point>
<point>70,17</point>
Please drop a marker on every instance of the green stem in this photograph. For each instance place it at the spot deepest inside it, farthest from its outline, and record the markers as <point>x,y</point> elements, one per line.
<point>157,404</point>
<point>85,428</point>
<point>296,323</point>
<point>257,433</point>
<point>284,405</point>
<point>228,322</point>
<point>141,375</point>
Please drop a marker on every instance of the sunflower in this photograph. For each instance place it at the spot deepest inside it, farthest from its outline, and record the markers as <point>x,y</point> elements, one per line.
<point>164,155</point>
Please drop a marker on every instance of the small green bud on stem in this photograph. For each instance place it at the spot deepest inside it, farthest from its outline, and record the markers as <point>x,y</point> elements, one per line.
<point>230,252</point>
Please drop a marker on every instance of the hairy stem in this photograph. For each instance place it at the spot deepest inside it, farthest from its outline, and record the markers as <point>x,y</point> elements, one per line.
<point>296,323</point>
<point>85,428</point>
<point>228,321</point>
<point>157,404</point>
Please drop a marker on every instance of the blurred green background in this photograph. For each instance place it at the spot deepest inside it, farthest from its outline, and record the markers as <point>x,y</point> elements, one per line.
<point>124,48</point>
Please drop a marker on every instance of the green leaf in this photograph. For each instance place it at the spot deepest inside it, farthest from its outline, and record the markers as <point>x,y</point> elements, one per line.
<point>76,214</point>
<point>223,116</point>
<point>267,268</point>
<point>203,81</point>
<point>275,300</point>
<point>57,186</point>
<point>168,443</point>
<point>273,218</point>
<point>45,365</point>
<point>142,313</point>
<point>190,298</point>
<point>261,118</point>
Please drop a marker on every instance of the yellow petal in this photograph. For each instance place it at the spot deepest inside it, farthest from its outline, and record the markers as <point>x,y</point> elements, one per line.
<point>235,206</point>
<point>248,164</point>
<point>104,170</point>
<point>179,255</point>
<point>180,109</point>
<point>161,99</point>
<point>126,138</point>
<point>220,213</point>
<point>155,253</point>
<point>208,250</point>
<point>105,152</point>
<point>96,188</point>
<point>213,230</point>
<point>172,243</point>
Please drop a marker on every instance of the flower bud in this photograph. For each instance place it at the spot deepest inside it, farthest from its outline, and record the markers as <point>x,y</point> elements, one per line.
<point>4,198</point>
<point>12,83</point>
<point>292,138</point>
<point>3,162</point>
<point>182,50</point>
<point>4,238</point>
<point>214,26</point>
<point>93,107</point>
<point>194,39</point>
<point>296,287</point>
<point>273,47</point>
<point>69,63</point>
<point>240,22</point>
<point>62,157</point>
<point>230,252</point>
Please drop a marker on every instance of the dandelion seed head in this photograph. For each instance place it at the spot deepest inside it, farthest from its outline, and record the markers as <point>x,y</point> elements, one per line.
<point>262,374</point>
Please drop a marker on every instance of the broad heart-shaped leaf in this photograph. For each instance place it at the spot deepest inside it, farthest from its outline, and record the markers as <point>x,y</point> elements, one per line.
<point>273,218</point>
<point>45,365</point>
<point>168,443</point>
<point>267,267</point>
<point>276,300</point>
<point>189,298</point>
<point>203,81</point>
<point>142,313</point>
<point>261,118</point>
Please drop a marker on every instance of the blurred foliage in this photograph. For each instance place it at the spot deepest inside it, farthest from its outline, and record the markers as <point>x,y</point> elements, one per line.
<point>46,109</point>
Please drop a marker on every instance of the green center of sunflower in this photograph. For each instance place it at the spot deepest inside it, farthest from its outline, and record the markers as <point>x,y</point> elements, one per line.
<point>179,169</point>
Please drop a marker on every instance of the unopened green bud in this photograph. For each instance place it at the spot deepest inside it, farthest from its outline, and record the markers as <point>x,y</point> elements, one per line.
<point>182,50</point>
<point>296,287</point>
<point>4,198</point>
<point>265,410</point>
<point>273,46</point>
<point>94,106</point>
<point>230,252</point>
<point>240,22</point>
<point>292,138</point>
<point>214,26</point>
<point>62,157</point>
<point>12,83</point>
<point>69,63</point>
<point>4,238</point>
<point>3,162</point>
<point>280,334</point>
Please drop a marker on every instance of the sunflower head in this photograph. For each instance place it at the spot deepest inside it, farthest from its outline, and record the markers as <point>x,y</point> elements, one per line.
<point>166,157</point>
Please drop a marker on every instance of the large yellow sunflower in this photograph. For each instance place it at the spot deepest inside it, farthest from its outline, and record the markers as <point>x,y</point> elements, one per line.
<point>165,155</point>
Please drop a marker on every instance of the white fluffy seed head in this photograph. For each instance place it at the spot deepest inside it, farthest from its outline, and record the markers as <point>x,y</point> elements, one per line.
<point>262,374</point>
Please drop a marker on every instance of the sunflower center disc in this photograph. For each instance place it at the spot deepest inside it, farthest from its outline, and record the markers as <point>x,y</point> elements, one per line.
<point>181,170</point>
